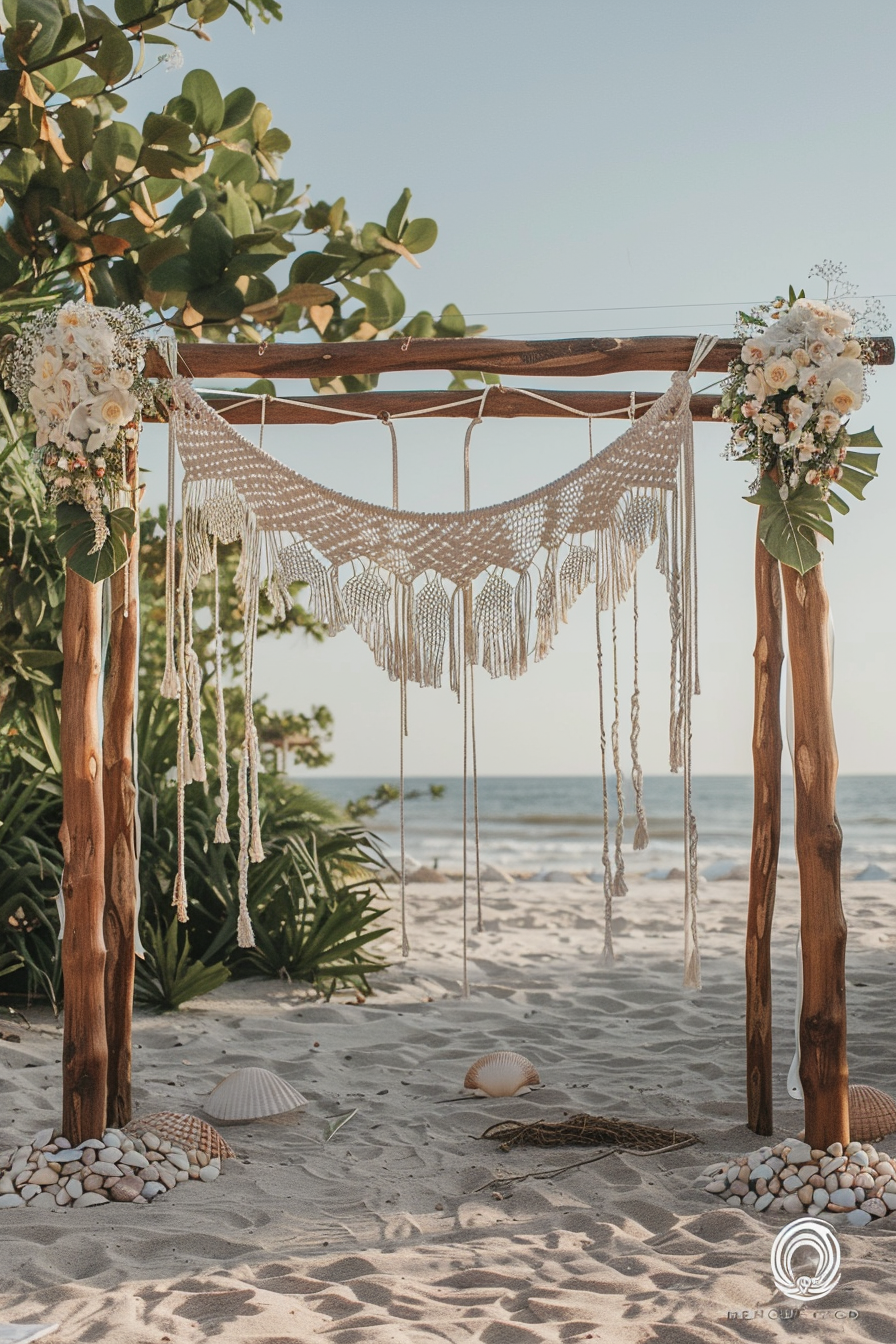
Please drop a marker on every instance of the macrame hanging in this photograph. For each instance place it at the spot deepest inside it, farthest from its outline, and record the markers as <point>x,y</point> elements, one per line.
<point>481,587</point>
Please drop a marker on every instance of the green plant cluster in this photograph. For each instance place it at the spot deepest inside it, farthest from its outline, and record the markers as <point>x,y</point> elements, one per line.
<point>187,214</point>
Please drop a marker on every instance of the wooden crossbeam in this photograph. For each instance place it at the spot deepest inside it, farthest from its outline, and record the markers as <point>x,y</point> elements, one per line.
<point>585,357</point>
<point>501,403</point>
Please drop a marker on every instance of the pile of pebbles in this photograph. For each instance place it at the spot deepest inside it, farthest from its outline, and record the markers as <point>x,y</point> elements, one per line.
<point>49,1173</point>
<point>855,1184</point>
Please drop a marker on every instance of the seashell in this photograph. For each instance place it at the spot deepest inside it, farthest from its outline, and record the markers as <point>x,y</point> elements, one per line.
<point>872,1114</point>
<point>502,1074</point>
<point>252,1094</point>
<point>185,1131</point>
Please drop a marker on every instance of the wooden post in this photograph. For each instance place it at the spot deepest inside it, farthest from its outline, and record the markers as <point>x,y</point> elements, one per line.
<point>823,1066</point>
<point>768,655</point>
<point>119,800</point>
<point>83,950</point>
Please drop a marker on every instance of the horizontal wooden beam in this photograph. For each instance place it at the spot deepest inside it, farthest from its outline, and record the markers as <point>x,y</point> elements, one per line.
<point>587,357</point>
<point>502,403</point>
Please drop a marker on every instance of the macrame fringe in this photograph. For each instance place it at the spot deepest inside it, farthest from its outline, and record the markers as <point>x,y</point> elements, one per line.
<point>170,682</point>
<point>642,837</point>
<point>222,834</point>
<point>619,884</point>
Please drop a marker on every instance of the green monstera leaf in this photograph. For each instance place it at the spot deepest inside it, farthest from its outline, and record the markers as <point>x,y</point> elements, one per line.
<point>787,527</point>
<point>75,537</point>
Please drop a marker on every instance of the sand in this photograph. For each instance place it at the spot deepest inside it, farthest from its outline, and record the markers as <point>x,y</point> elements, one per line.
<point>393,1230</point>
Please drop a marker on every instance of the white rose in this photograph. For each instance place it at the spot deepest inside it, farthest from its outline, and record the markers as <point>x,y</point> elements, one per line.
<point>843,399</point>
<point>798,413</point>
<point>828,423</point>
<point>809,381</point>
<point>755,384</point>
<point>754,351</point>
<point>800,357</point>
<point>823,311</point>
<point>780,373</point>
<point>819,351</point>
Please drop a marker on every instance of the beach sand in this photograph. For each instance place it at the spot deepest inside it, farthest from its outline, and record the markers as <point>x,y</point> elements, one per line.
<point>392,1231</point>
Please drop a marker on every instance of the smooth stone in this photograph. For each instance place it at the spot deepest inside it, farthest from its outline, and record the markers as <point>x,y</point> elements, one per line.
<point>864,1181</point>
<point>111,1154</point>
<point>845,1180</point>
<point>831,1183</point>
<point>835,1149</point>
<point>714,1187</point>
<point>817,1180</point>
<point>749,1199</point>
<point>891,1186</point>
<point>153,1155</point>
<point>810,1169</point>
<point>109,1181</point>
<point>133,1159</point>
<point>41,1137</point>
<point>63,1197</point>
<point>777,1203</point>
<point>734,1201</point>
<point>43,1201</point>
<point>128,1145</point>
<point>69,1155</point>
<point>11,1201</point>
<point>792,1184</point>
<point>731,1174</point>
<point>128,1188</point>
<point>71,1168</point>
<point>834,1165</point>
<point>876,1207</point>
<point>860,1196</point>
<point>74,1188</point>
<point>860,1158</point>
<point>799,1153</point>
<point>167,1179</point>
<point>45,1176</point>
<point>93,1182</point>
<point>150,1172</point>
<point>29,1191</point>
<point>818,1154</point>
<point>775,1185</point>
<point>858,1217</point>
<point>203,1159</point>
<point>760,1186</point>
<point>195,1170</point>
<point>792,1204</point>
<point>89,1200</point>
<point>106,1169</point>
<point>872,1154</point>
<point>166,1145</point>
<point>763,1202</point>
<point>23,1177</point>
<point>736,1188</point>
<point>182,1162</point>
<point>885,1168</point>
<point>852,1148</point>
<point>153,1188</point>
<point>776,1163</point>
<point>18,1166</point>
<point>88,1157</point>
<point>762,1171</point>
<point>6,1186</point>
<point>844,1198</point>
<point>211,1173</point>
<point>181,1176</point>
<point>821,1198</point>
<point>889,1200</point>
<point>805,1193</point>
<point>151,1140</point>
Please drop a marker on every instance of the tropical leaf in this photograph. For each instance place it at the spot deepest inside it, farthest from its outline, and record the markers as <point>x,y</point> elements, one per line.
<point>787,528</point>
<point>76,539</point>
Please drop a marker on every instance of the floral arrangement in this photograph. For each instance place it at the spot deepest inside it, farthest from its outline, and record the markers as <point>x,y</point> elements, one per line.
<point>800,374</point>
<point>79,369</point>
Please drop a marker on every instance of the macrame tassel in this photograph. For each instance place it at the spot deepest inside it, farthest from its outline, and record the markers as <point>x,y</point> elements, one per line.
<point>195,769</point>
<point>523,619</point>
<point>221,833</point>
<point>692,978</point>
<point>244,934</point>
<point>642,838</point>
<point>366,602</point>
<point>607,955</point>
<point>179,892</point>
<point>467,655</point>
<point>493,627</point>
<point>402,734</point>
<point>170,684</point>
<point>575,575</point>
<point>479,924</point>
<point>456,662</point>
<point>432,617</point>
<point>619,884</point>
<point>546,608</point>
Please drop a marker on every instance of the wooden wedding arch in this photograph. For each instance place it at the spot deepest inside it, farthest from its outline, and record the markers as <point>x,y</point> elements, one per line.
<point>98,836</point>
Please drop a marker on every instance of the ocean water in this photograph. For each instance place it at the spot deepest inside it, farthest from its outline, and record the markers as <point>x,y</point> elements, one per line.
<point>530,823</point>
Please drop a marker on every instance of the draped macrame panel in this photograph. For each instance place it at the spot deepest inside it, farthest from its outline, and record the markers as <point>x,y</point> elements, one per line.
<point>432,594</point>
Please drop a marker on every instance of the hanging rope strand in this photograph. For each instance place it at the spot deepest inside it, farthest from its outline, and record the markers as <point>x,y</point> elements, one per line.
<point>642,837</point>
<point>619,884</point>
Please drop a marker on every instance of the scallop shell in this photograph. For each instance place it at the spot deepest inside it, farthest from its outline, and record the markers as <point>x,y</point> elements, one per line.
<point>186,1131</point>
<point>251,1094</point>
<point>503,1074</point>
<point>872,1114</point>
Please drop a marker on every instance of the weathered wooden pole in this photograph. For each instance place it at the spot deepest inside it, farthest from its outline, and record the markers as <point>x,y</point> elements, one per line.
<point>823,1065</point>
<point>119,800</point>
<point>84,1053</point>
<point>768,656</point>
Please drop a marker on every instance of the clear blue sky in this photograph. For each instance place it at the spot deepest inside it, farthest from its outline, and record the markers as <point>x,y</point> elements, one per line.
<point>594,168</point>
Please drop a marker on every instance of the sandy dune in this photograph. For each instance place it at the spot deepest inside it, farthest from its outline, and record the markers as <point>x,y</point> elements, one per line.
<point>392,1231</point>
